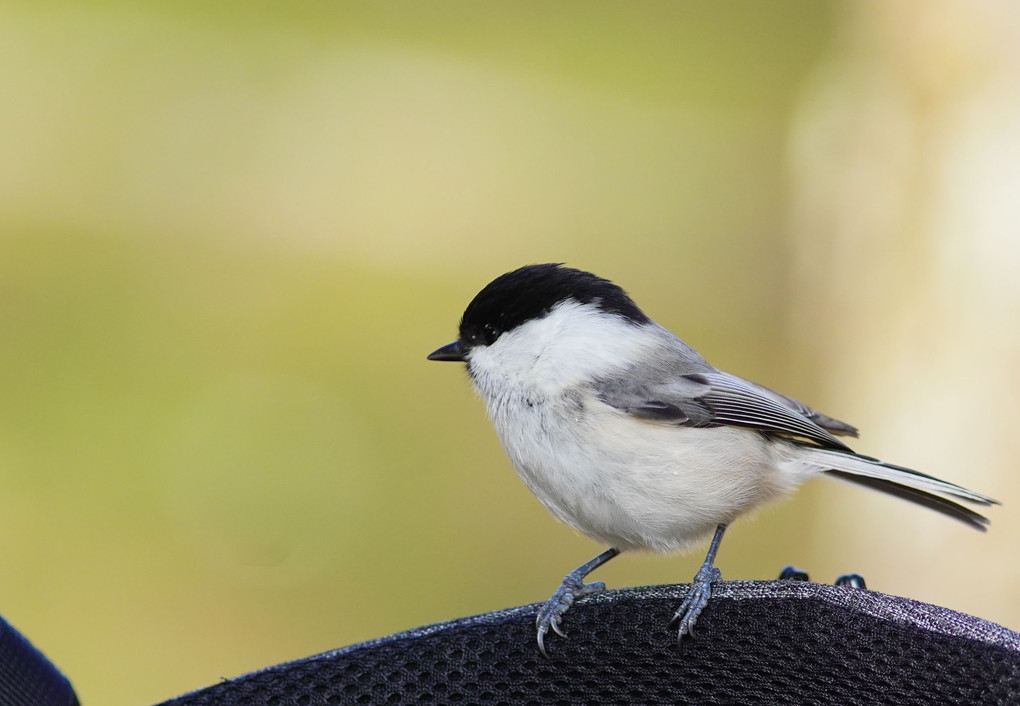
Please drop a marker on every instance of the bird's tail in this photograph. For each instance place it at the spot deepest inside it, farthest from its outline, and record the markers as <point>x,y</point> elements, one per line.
<point>904,483</point>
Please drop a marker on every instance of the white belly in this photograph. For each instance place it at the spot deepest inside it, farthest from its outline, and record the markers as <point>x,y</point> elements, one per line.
<point>632,484</point>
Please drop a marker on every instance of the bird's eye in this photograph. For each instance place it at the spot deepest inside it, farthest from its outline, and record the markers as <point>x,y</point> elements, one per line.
<point>490,333</point>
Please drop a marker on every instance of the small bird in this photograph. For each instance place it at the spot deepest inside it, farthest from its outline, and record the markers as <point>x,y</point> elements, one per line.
<point>625,433</point>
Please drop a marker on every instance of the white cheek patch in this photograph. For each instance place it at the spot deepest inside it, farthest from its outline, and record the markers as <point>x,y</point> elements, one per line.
<point>570,345</point>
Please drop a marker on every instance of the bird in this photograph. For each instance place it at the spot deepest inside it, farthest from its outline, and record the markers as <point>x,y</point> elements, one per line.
<point>628,435</point>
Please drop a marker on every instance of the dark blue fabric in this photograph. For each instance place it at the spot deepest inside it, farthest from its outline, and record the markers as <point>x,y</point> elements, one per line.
<point>777,642</point>
<point>27,678</point>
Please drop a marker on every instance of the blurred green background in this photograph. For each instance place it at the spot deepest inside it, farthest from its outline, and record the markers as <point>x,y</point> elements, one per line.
<point>230,232</point>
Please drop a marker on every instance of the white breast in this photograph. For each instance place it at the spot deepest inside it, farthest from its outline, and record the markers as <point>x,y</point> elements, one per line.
<point>625,482</point>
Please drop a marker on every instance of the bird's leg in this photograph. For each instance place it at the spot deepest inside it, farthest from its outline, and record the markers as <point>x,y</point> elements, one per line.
<point>551,613</point>
<point>701,590</point>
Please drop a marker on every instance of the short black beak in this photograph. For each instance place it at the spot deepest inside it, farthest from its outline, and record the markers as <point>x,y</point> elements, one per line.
<point>448,352</point>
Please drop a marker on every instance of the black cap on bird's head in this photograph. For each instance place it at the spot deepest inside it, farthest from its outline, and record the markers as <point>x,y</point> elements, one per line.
<point>529,293</point>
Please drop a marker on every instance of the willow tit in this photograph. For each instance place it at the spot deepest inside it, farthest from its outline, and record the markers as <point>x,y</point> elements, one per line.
<point>625,433</point>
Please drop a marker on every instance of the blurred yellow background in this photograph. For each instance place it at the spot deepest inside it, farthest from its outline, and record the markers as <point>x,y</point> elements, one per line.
<point>230,232</point>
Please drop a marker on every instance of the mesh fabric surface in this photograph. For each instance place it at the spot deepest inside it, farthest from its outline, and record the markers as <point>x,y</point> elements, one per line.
<point>779,642</point>
<point>27,678</point>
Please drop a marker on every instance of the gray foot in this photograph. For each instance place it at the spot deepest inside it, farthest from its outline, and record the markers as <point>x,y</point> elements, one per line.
<point>696,600</point>
<point>550,615</point>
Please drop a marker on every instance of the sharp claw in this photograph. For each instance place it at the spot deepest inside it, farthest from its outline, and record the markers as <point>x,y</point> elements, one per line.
<point>695,601</point>
<point>550,615</point>
<point>541,643</point>
<point>555,625</point>
<point>679,614</point>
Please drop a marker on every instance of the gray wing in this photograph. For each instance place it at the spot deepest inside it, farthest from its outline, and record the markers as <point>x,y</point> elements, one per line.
<point>709,399</point>
<point>829,423</point>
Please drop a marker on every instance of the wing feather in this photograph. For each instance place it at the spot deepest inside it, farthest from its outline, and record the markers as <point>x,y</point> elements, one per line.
<point>715,398</point>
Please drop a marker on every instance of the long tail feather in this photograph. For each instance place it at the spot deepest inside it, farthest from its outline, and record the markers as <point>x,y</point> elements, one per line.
<point>935,502</point>
<point>873,468</point>
<point>904,483</point>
